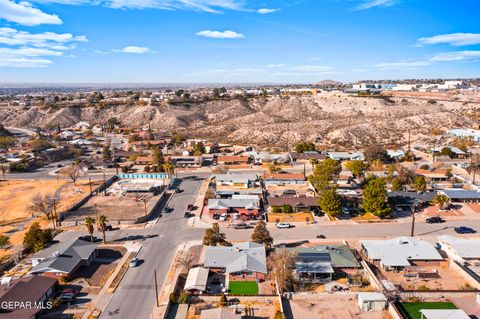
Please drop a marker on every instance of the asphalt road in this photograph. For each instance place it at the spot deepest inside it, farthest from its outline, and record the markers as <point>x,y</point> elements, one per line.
<point>135,296</point>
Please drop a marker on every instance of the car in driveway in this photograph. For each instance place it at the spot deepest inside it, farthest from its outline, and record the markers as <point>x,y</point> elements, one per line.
<point>435,220</point>
<point>464,230</point>
<point>283,225</point>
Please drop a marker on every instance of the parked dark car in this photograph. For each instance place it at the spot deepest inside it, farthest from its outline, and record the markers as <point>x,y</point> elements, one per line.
<point>464,230</point>
<point>87,238</point>
<point>168,210</point>
<point>435,220</point>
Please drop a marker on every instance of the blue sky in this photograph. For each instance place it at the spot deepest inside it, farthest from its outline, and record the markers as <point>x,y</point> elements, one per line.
<point>299,41</point>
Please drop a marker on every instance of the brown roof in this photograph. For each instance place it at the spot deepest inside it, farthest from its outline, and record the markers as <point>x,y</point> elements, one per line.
<point>26,289</point>
<point>152,142</point>
<point>232,158</point>
<point>293,201</point>
<point>144,159</point>
<point>283,176</point>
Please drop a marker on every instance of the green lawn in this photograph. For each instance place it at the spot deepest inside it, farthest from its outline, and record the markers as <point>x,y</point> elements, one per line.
<point>243,288</point>
<point>412,309</point>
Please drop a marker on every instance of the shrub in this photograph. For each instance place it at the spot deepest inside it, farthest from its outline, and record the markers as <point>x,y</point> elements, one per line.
<point>279,315</point>
<point>184,297</point>
<point>173,297</point>
<point>223,300</point>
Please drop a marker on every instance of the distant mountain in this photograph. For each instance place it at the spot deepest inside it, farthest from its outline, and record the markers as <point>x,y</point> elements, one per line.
<point>328,83</point>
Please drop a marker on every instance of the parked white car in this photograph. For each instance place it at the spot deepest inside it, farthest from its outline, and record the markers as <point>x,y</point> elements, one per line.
<point>224,217</point>
<point>283,225</point>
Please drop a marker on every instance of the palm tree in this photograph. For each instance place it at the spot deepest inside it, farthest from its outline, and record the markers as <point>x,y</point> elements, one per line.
<point>441,200</point>
<point>169,168</point>
<point>102,225</point>
<point>474,166</point>
<point>89,222</point>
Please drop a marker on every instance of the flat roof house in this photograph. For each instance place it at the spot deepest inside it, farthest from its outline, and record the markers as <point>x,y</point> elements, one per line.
<point>244,261</point>
<point>63,259</point>
<point>461,195</point>
<point>459,249</point>
<point>299,204</point>
<point>401,252</point>
<point>283,178</point>
<point>443,314</point>
<point>233,160</point>
<point>241,181</point>
<point>346,156</point>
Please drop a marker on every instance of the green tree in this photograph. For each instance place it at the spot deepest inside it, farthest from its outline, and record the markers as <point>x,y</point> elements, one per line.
<point>375,198</point>
<point>357,167</point>
<point>331,202</point>
<point>39,144</point>
<point>214,237</point>
<point>397,185</point>
<point>4,241</point>
<point>36,238</point>
<point>441,200</point>
<point>446,151</point>
<point>158,159</point>
<point>102,226</point>
<point>287,209</point>
<point>305,147</point>
<point>198,149</point>
<point>7,142</point>
<point>89,222</point>
<point>323,173</point>
<point>169,169</point>
<point>261,235</point>
<point>419,183</point>
<point>106,152</point>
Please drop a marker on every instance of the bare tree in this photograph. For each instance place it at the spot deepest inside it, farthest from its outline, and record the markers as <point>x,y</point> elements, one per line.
<point>72,172</point>
<point>44,204</point>
<point>282,262</point>
<point>186,260</point>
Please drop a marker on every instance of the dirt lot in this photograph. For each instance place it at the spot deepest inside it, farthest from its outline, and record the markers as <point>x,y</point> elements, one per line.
<point>446,278</point>
<point>332,309</point>
<point>97,273</point>
<point>260,309</point>
<point>128,207</point>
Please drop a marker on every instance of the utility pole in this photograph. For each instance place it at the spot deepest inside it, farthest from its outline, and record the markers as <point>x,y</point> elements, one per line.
<point>104,184</point>
<point>54,212</point>
<point>412,233</point>
<point>3,171</point>
<point>156,287</point>
<point>434,150</point>
<point>90,183</point>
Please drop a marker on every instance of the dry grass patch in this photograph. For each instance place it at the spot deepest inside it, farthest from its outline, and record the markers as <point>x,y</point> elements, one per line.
<point>290,218</point>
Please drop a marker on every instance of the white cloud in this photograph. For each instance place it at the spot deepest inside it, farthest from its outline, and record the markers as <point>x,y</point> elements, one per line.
<point>267,11</point>
<point>23,62</point>
<point>100,52</point>
<point>136,50</point>
<point>455,39</point>
<point>280,65</point>
<point>369,4</point>
<point>29,52</point>
<point>23,13</point>
<point>227,34</point>
<point>13,37</point>
<point>456,56</point>
<point>403,64</point>
<point>212,6</point>
<point>312,68</point>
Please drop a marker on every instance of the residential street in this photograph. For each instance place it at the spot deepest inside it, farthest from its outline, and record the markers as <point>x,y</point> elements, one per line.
<point>135,296</point>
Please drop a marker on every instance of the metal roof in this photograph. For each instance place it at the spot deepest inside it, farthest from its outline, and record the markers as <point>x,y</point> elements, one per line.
<point>465,248</point>
<point>340,256</point>
<point>197,279</point>
<point>460,193</point>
